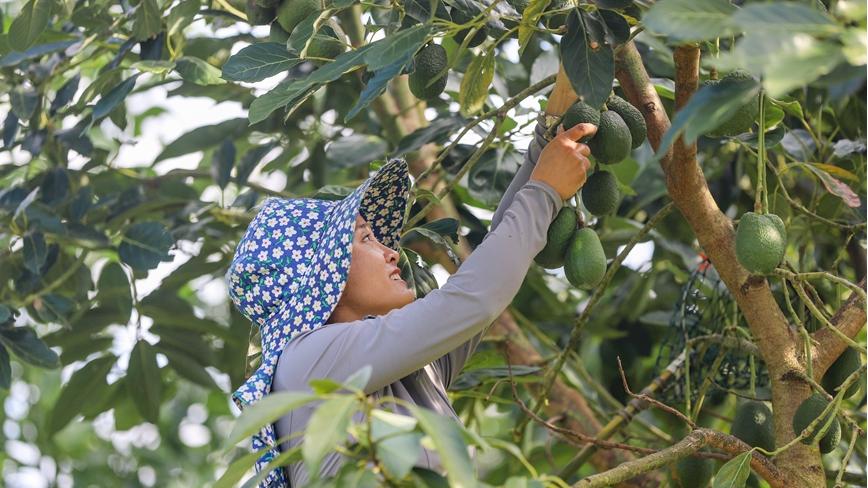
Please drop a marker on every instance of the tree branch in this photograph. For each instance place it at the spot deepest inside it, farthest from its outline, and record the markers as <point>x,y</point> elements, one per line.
<point>849,319</point>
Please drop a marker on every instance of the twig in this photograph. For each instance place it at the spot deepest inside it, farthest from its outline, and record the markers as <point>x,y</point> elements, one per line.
<point>652,401</point>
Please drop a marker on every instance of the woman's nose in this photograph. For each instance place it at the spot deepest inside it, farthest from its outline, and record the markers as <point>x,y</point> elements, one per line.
<point>391,254</point>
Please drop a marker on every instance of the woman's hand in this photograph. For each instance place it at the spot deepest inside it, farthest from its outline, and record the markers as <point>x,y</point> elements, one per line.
<point>563,163</point>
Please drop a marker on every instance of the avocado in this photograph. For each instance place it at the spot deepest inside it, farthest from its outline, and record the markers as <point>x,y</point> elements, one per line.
<point>258,15</point>
<point>754,425</point>
<point>847,363</point>
<point>692,472</point>
<point>612,142</point>
<point>585,261</point>
<point>429,61</point>
<point>557,239</point>
<point>808,411</point>
<point>460,17</point>
<point>291,12</point>
<point>744,117</point>
<point>760,242</point>
<point>600,193</point>
<point>325,44</point>
<point>632,117</point>
<point>277,34</point>
<point>580,113</point>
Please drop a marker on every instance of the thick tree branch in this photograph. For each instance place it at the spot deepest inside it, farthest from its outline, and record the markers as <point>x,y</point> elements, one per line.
<point>849,319</point>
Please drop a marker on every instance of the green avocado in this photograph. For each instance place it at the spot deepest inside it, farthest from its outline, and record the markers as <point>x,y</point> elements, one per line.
<point>632,117</point>
<point>847,363</point>
<point>612,142</point>
<point>291,12</point>
<point>810,410</point>
<point>600,193</point>
<point>557,239</point>
<point>744,117</point>
<point>753,424</point>
<point>277,34</point>
<point>692,472</point>
<point>257,14</point>
<point>760,242</point>
<point>585,261</point>
<point>460,17</point>
<point>580,113</point>
<point>429,61</point>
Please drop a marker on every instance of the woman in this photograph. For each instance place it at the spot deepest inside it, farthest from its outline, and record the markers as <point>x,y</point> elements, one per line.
<point>318,278</point>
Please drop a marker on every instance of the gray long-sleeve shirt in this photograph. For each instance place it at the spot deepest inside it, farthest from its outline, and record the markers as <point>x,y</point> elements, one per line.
<point>416,351</point>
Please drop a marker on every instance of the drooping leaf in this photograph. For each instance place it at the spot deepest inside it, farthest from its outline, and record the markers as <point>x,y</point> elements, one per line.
<point>835,186</point>
<point>377,84</point>
<point>475,83</point>
<point>266,411</point>
<point>34,251</point>
<point>222,163</point>
<point>10,129</point>
<point>65,94</point>
<point>447,438</point>
<point>31,21</point>
<point>114,97</point>
<point>735,472</point>
<point>145,244</point>
<point>23,101</point>
<point>75,393</point>
<point>250,160</point>
<point>326,428</point>
<point>148,20</point>
<point>113,291</point>
<point>5,369</point>
<point>16,57</point>
<point>144,382</point>
<point>259,61</point>
<point>690,20</point>
<point>202,138</point>
<point>529,19</point>
<point>28,347</point>
<point>587,58</point>
<point>188,368</point>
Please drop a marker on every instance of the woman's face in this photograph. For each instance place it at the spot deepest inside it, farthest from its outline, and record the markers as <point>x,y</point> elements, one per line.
<point>371,288</point>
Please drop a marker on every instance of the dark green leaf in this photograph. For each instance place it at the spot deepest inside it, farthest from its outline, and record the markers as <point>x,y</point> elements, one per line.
<point>198,71</point>
<point>259,61</point>
<point>326,428</point>
<point>222,162</point>
<point>390,49</point>
<point>23,101</point>
<point>203,137</point>
<point>784,17</point>
<point>10,129</point>
<point>75,393</point>
<point>250,159</point>
<point>587,58</point>
<point>377,84</point>
<point>617,27</point>
<point>355,149</point>
<point>111,99</point>
<point>398,452</point>
<point>5,314</point>
<point>147,21</point>
<point>437,131</point>
<point>113,291</point>
<point>188,368</point>
<point>34,251</point>
<point>54,308</point>
<point>447,438</point>
<point>31,21</point>
<point>144,382</point>
<point>28,347</point>
<point>65,94</point>
<point>5,369</point>
<point>145,244</point>
<point>691,20</point>
<point>475,83</point>
<point>16,57</point>
<point>734,473</point>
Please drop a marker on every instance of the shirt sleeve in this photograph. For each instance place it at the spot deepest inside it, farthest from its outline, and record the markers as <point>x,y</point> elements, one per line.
<point>406,339</point>
<point>451,364</point>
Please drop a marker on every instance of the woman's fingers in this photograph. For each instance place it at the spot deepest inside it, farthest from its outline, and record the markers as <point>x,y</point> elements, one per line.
<point>579,131</point>
<point>583,149</point>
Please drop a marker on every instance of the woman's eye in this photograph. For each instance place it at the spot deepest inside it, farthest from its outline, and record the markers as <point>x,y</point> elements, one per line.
<point>366,236</point>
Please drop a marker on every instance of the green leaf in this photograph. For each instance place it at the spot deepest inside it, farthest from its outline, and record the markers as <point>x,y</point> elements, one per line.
<point>145,244</point>
<point>789,105</point>
<point>396,46</point>
<point>355,149</point>
<point>290,91</point>
<point>266,411</point>
<point>398,446</point>
<point>326,428</point>
<point>198,71</point>
<point>147,22</point>
<point>377,84</point>
<point>707,108</point>
<point>114,293</point>
<point>28,347</point>
<point>82,384</point>
<point>447,438</point>
<point>437,131</point>
<point>437,239</point>
<point>475,83</point>
<point>34,251</point>
<point>5,369</point>
<point>588,59</point>
<point>23,101</point>
<point>111,99</point>
<point>734,473</point>
<point>181,16</point>
<point>157,66</point>
<point>359,380</point>
<point>691,20</point>
<point>16,57</point>
<point>238,469</point>
<point>31,21</point>
<point>259,61</point>
<point>785,17</point>
<point>144,382</point>
<point>835,186</point>
<point>222,163</point>
<point>187,367</point>
<point>529,19</point>
<point>203,137</point>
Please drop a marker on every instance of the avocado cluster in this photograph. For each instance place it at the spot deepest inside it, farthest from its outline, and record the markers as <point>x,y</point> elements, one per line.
<point>742,120</point>
<point>578,250</point>
<point>284,15</point>
<point>620,128</point>
<point>810,410</point>
<point>760,242</point>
